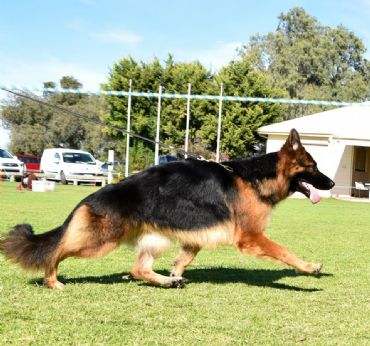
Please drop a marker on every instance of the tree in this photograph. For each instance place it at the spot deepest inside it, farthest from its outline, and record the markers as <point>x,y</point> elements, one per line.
<point>240,120</point>
<point>147,77</point>
<point>35,127</point>
<point>28,125</point>
<point>176,78</point>
<point>94,137</point>
<point>312,61</point>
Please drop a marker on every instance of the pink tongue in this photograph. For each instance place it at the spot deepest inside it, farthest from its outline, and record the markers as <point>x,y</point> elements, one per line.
<point>314,195</point>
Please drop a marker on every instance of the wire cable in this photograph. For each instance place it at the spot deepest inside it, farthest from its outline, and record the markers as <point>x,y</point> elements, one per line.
<point>101,123</point>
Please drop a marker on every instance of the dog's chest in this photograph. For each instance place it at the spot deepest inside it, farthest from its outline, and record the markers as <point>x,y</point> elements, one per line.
<point>250,213</point>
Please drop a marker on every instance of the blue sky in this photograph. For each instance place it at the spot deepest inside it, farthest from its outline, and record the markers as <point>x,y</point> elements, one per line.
<point>43,40</point>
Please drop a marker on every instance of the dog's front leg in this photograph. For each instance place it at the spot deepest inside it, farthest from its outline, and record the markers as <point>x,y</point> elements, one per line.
<point>259,245</point>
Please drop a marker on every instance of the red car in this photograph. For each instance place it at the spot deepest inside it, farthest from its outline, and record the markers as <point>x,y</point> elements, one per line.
<point>31,162</point>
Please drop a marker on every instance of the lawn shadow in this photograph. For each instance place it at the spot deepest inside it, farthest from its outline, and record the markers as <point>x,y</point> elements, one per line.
<point>252,277</point>
<point>108,279</point>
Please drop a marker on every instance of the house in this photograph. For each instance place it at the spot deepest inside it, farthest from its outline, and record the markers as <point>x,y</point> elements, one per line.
<point>338,139</point>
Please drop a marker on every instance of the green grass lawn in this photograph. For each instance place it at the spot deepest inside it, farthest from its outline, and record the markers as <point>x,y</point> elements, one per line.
<point>230,299</point>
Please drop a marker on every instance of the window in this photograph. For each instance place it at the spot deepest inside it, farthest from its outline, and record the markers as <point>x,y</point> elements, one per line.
<point>5,155</point>
<point>360,159</point>
<point>78,158</point>
<point>29,159</point>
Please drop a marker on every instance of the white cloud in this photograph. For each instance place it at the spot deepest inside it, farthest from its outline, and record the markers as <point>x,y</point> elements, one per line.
<point>121,37</point>
<point>214,57</point>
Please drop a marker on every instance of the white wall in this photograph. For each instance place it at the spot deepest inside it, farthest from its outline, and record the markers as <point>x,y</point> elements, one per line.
<point>343,174</point>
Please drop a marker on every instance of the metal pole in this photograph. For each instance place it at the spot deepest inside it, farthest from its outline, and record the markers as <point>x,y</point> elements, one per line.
<point>156,154</point>
<point>219,126</point>
<point>187,122</point>
<point>110,165</point>
<point>128,130</point>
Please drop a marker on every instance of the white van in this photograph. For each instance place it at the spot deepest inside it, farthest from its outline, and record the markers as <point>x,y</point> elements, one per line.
<point>66,165</point>
<point>10,166</point>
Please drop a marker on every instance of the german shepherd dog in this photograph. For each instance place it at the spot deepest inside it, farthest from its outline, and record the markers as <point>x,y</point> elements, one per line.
<point>199,203</point>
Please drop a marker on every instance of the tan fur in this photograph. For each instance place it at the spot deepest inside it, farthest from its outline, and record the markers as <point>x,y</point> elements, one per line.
<point>260,246</point>
<point>77,233</point>
<point>152,236</point>
<point>252,215</point>
<point>183,259</point>
<point>150,241</point>
<point>142,270</point>
<point>89,235</point>
<point>84,236</point>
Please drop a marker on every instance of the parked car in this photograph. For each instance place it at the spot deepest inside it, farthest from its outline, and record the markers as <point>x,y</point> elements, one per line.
<point>10,165</point>
<point>166,158</point>
<point>66,165</point>
<point>116,166</point>
<point>31,162</point>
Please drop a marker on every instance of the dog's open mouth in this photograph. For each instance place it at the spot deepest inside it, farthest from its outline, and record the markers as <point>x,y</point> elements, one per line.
<point>309,191</point>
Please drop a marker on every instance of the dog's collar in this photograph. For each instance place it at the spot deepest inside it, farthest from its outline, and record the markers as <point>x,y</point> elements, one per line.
<point>228,168</point>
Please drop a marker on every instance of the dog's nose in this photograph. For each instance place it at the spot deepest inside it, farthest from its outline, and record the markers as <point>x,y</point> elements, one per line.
<point>331,184</point>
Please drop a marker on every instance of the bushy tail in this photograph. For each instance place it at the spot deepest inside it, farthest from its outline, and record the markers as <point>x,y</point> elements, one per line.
<point>31,251</point>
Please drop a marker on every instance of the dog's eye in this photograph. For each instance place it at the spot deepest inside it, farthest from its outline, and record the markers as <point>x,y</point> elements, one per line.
<point>313,167</point>
<point>305,164</point>
<point>309,165</point>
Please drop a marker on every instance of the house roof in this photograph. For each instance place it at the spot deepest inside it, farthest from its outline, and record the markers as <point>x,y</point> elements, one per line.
<point>351,122</point>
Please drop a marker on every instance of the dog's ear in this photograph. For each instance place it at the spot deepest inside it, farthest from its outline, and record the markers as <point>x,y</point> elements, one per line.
<point>293,142</point>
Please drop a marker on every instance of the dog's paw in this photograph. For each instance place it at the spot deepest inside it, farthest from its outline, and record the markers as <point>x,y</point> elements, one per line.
<point>57,285</point>
<point>128,277</point>
<point>316,268</point>
<point>178,283</point>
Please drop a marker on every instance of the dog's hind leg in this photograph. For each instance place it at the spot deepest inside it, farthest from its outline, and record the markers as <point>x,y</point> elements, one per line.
<point>143,270</point>
<point>259,245</point>
<point>50,279</point>
<point>149,247</point>
<point>183,259</point>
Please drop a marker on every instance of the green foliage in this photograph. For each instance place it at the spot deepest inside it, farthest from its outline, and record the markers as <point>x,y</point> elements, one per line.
<point>35,127</point>
<point>230,299</point>
<point>147,77</point>
<point>312,61</point>
<point>66,82</point>
<point>27,122</point>
<point>240,121</point>
<point>141,156</point>
<point>176,78</point>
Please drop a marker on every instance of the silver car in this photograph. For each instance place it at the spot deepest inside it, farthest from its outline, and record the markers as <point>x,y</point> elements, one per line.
<point>10,167</point>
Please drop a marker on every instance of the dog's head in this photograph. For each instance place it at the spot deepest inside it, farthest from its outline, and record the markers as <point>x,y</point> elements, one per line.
<point>302,170</point>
